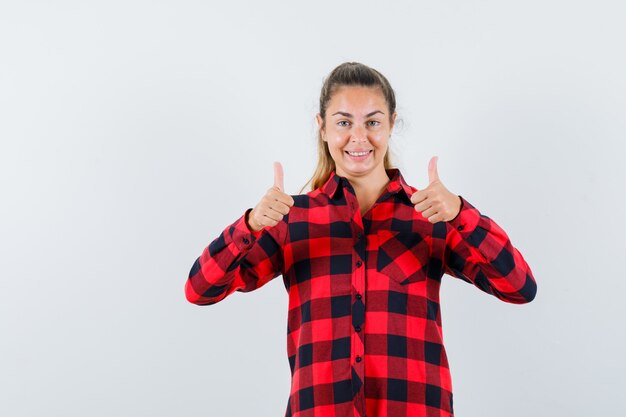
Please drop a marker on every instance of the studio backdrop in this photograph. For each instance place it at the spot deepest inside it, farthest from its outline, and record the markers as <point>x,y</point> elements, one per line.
<point>133,132</point>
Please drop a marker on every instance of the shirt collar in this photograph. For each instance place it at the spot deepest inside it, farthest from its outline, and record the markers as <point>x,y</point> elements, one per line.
<point>396,184</point>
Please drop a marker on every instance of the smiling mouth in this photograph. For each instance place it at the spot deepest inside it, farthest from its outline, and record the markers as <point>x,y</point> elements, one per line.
<point>364,153</point>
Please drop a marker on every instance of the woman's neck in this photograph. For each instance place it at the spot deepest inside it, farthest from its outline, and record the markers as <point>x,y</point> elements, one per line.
<point>369,188</point>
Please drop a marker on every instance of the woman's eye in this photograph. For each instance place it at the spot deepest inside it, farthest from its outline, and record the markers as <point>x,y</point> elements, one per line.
<point>373,123</point>
<point>343,123</point>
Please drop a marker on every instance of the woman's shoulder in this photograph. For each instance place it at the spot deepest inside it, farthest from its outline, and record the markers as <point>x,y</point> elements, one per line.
<point>309,199</point>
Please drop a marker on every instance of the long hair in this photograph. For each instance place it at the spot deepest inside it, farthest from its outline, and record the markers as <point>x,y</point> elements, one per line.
<point>346,74</point>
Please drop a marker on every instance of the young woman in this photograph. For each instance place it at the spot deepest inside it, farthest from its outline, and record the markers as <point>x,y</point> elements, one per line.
<point>362,256</point>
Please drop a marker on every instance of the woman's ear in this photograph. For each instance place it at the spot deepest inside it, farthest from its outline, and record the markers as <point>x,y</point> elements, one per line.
<point>393,120</point>
<point>320,124</point>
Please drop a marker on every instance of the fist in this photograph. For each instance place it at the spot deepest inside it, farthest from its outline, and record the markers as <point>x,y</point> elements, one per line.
<point>435,202</point>
<point>273,206</point>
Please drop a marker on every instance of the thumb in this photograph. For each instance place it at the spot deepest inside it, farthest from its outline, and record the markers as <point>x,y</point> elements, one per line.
<point>433,175</point>
<point>278,176</point>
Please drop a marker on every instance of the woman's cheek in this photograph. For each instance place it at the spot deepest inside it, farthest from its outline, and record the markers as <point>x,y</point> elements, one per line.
<point>380,141</point>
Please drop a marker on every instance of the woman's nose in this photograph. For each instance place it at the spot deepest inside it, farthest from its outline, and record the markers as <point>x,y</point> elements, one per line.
<point>358,134</point>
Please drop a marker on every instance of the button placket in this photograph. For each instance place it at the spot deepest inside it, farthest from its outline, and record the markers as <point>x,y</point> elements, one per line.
<point>358,285</point>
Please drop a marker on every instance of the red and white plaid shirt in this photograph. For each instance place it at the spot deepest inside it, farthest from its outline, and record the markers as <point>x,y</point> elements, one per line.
<point>364,333</point>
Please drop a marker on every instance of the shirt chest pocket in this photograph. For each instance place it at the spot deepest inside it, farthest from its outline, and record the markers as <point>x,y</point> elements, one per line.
<point>403,257</point>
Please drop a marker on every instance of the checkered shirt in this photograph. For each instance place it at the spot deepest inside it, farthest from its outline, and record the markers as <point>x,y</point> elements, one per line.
<point>364,334</point>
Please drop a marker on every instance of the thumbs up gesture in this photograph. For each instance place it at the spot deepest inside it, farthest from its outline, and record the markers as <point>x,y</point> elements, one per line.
<point>435,202</point>
<point>273,206</point>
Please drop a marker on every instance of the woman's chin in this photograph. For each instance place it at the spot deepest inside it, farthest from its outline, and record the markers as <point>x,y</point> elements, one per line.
<point>357,169</point>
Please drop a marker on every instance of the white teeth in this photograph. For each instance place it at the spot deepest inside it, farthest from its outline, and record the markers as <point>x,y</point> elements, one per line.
<point>358,153</point>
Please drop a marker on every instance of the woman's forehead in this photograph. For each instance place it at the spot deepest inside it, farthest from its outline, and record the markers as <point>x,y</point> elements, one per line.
<point>359,99</point>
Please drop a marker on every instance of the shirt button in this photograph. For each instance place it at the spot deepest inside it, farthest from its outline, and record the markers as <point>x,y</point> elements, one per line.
<point>358,296</point>
<point>359,263</point>
<point>358,359</point>
<point>461,227</point>
<point>246,241</point>
<point>357,328</point>
<point>359,236</point>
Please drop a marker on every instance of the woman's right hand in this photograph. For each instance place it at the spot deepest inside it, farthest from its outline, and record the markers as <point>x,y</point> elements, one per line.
<point>273,206</point>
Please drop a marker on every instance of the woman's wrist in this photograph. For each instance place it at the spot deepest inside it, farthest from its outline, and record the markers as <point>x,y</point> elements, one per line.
<point>249,222</point>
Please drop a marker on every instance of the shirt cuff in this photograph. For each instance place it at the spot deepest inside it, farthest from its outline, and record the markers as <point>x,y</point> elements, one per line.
<point>467,218</point>
<point>241,235</point>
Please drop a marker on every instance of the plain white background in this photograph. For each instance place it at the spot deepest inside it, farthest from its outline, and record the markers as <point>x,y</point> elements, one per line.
<point>133,132</point>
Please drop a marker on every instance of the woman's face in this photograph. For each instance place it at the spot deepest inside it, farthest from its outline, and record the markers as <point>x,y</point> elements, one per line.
<point>357,130</point>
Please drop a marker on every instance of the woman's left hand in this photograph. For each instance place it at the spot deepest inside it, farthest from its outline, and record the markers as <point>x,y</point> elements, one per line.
<point>435,202</point>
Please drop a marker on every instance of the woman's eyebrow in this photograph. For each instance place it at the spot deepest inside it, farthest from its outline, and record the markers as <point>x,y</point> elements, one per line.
<point>344,114</point>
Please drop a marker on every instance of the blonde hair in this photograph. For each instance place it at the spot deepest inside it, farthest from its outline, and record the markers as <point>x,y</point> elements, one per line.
<point>346,74</point>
